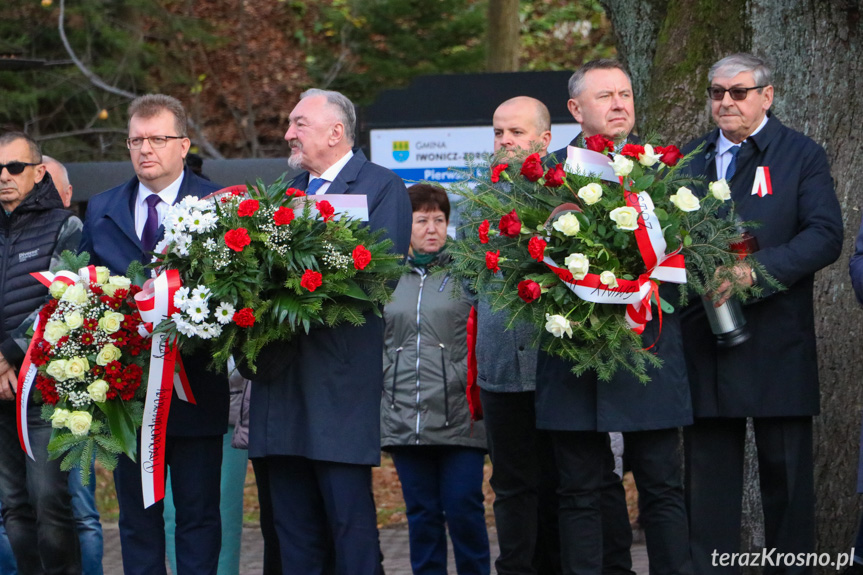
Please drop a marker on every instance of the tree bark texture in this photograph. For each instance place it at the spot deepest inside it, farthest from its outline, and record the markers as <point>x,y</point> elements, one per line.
<point>503,36</point>
<point>814,47</point>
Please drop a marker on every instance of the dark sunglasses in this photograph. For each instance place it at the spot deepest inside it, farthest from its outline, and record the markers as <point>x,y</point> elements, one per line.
<point>717,92</point>
<point>16,168</point>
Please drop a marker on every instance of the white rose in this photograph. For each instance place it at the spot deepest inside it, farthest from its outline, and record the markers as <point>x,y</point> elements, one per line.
<point>115,283</point>
<point>720,190</point>
<point>75,294</point>
<point>557,325</point>
<point>57,289</point>
<point>77,368</point>
<point>590,193</point>
<point>57,369</point>
<point>102,274</point>
<point>578,265</point>
<point>107,354</point>
<point>621,165</point>
<point>608,278</point>
<point>79,422</point>
<point>685,200</point>
<point>648,158</point>
<point>59,417</point>
<point>626,218</point>
<point>54,330</point>
<point>98,390</point>
<point>74,319</point>
<point>567,224</point>
<point>110,321</point>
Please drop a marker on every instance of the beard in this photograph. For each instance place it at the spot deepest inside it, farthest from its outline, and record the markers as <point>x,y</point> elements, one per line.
<point>295,160</point>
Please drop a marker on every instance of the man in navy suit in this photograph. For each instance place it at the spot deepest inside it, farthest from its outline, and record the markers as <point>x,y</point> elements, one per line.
<point>315,401</point>
<point>118,230</point>
<point>780,179</point>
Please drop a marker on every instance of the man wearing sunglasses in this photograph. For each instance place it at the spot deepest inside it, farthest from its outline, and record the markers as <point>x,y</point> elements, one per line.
<point>780,179</point>
<point>123,225</point>
<point>34,230</point>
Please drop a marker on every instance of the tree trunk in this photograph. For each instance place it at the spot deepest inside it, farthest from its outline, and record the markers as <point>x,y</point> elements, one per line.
<point>815,50</point>
<point>503,36</point>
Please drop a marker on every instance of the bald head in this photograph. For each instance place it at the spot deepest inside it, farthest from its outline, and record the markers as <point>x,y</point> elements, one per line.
<point>522,122</point>
<point>60,177</point>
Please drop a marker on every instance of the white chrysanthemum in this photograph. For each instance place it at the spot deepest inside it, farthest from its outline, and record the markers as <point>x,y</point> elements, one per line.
<point>176,221</point>
<point>181,298</point>
<point>182,245</point>
<point>225,313</point>
<point>197,310</point>
<point>160,247</point>
<point>213,329</point>
<point>201,292</point>
<point>184,327</point>
<point>210,245</point>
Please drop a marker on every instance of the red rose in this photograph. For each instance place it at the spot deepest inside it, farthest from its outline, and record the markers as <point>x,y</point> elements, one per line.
<point>632,151</point>
<point>531,169</point>
<point>555,176</point>
<point>598,143</point>
<point>244,317</point>
<point>283,216</point>
<point>510,225</point>
<point>326,209</point>
<point>483,232</point>
<point>361,256</point>
<point>491,261</point>
<point>294,193</point>
<point>670,154</point>
<point>248,208</point>
<point>529,290</point>
<point>311,280</point>
<point>536,247</point>
<point>496,171</point>
<point>237,239</point>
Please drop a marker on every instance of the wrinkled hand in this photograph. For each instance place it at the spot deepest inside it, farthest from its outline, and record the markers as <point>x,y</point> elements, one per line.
<point>742,277</point>
<point>8,383</point>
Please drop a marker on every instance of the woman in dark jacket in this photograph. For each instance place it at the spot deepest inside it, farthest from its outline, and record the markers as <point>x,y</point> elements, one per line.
<point>426,424</point>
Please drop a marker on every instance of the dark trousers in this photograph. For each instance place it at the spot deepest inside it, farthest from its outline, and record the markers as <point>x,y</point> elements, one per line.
<point>36,506</point>
<point>442,487</point>
<point>714,486</point>
<point>272,556</point>
<point>195,464</point>
<point>524,480</point>
<point>324,514</point>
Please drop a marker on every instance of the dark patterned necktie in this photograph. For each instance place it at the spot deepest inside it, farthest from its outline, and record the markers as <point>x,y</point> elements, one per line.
<point>151,226</point>
<point>732,165</point>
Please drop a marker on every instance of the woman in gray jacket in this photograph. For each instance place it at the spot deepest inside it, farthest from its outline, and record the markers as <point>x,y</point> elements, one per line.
<point>426,423</point>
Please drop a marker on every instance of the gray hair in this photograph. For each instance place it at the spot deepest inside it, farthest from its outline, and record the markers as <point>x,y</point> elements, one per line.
<point>576,81</point>
<point>730,66</point>
<point>35,149</point>
<point>63,170</point>
<point>151,105</point>
<point>343,106</point>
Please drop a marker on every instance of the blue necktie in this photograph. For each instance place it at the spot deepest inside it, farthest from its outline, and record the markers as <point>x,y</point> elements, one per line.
<point>732,165</point>
<point>314,185</point>
<point>151,226</point>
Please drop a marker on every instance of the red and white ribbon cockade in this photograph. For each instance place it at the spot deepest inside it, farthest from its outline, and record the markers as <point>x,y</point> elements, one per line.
<point>156,303</point>
<point>635,294</point>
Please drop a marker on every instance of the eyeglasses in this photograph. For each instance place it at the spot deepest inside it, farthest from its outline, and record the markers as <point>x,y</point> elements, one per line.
<point>718,92</point>
<point>155,141</point>
<point>15,168</point>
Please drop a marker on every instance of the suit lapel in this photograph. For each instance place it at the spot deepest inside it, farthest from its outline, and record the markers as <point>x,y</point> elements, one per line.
<point>121,211</point>
<point>348,174</point>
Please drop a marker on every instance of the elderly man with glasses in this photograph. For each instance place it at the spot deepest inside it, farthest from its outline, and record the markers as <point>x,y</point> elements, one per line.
<point>780,179</point>
<point>34,230</point>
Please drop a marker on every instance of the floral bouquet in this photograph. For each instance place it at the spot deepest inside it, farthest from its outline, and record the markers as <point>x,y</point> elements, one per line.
<point>580,255</point>
<point>260,264</point>
<point>86,362</point>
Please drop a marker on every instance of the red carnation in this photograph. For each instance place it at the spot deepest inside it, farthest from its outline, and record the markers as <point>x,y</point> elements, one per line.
<point>510,225</point>
<point>248,208</point>
<point>554,176</point>
<point>491,260</point>
<point>294,193</point>
<point>670,154</point>
<point>531,169</point>
<point>237,239</point>
<point>536,247</point>
<point>245,317</point>
<point>598,143</point>
<point>283,216</point>
<point>529,290</point>
<point>311,280</point>
<point>632,151</point>
<point>483,232</point>
<point>361,256</point>
<point>496,171</point>
<point>326,209</point>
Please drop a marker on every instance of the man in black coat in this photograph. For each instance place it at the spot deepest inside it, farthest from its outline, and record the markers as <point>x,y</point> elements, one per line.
<point>580,411</point>
<point>115,234</point>
<point>780,179</point>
